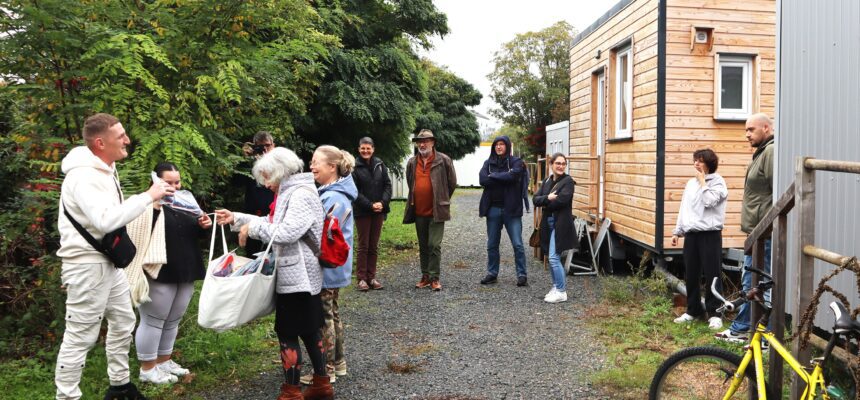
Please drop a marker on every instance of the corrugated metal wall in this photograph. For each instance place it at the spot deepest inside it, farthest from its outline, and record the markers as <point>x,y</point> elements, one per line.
<point>818,115</point>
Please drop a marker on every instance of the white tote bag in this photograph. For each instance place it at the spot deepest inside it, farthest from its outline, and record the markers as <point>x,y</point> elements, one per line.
<point>230,301</point>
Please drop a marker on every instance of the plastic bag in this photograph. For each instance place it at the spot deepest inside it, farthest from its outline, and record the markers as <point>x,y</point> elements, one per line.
<point>181,200</point>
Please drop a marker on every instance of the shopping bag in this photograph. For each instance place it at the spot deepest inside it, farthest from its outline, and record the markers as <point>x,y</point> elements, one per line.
<point>228,299</point>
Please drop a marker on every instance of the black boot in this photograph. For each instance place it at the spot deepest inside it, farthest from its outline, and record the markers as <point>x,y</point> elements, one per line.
<point>124,392</point>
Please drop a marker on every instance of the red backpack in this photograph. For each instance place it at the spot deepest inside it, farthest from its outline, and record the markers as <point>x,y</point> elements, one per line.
<point>334,250</point>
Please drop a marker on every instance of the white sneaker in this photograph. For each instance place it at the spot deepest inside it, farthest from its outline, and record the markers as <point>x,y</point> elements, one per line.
<point>684,318</point>
<point>551,292</point>
<point>556,297</point>
<point>173,368</point>
<point>715,323</point>
<point>157,376</point>
<point>729,336</point>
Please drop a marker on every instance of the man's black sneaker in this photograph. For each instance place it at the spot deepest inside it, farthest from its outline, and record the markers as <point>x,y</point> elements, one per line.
<point>522,281</point>
<point>488,280</point>
<point>124,392</point>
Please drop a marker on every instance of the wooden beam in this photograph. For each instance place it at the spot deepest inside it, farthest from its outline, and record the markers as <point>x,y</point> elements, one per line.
<point>804,223</point>
<point>834,166</point>
<point>825,255</point>
<point>782,207</point>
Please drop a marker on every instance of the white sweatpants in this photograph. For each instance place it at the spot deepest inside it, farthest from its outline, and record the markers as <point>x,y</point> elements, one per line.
<point>94,292</point>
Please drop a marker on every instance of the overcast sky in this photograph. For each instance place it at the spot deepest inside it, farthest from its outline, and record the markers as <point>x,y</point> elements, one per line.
<point>479,27</point>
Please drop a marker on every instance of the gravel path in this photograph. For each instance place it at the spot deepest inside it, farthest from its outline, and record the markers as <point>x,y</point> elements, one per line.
<point>466,342</point>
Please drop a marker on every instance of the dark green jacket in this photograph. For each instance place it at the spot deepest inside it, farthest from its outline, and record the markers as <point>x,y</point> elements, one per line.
<point>758,187</point>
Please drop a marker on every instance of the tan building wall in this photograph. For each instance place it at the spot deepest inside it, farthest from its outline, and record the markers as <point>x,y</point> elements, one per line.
<point>632,187</point>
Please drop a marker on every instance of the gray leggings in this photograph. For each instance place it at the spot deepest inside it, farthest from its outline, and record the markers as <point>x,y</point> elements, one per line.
<point>159,319</point>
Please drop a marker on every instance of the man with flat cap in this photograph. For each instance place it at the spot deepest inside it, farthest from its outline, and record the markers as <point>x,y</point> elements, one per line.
<point>432,180</point>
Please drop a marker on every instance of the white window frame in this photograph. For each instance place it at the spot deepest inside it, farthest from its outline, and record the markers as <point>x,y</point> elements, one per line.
<point>625,51</point>
<point>746,63</point>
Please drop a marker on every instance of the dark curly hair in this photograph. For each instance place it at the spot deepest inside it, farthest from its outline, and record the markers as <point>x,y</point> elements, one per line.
<point>708,157</point>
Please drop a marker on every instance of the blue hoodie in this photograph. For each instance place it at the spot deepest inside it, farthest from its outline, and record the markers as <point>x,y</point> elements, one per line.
<point>506,174</point>
<point>340,194</point>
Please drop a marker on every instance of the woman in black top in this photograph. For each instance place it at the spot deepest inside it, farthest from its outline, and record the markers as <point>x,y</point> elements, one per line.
<point>556,227</point>
<point>370,208</point>
<point>171,289</point>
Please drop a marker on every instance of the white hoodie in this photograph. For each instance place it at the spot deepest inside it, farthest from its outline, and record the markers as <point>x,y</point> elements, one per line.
<point>91,193</point>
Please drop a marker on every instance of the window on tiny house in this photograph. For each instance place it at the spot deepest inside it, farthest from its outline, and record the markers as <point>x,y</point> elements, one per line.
<point>734,94</point>
<point>623,92</point>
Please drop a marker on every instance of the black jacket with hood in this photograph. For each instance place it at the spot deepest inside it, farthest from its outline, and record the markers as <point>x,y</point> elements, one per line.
<point>504,177</point>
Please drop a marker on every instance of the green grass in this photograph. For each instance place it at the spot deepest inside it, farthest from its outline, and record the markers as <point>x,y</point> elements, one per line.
<point>633,323</point>
<point>216,359</point>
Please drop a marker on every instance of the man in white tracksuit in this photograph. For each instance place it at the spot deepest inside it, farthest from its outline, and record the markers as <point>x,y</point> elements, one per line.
<point>96,290</point>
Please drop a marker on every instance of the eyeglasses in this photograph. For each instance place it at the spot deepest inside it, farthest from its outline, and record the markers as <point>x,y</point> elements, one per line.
<point>560,163</point>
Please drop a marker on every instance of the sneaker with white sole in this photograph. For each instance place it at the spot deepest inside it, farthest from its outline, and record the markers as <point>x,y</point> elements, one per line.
<point>551,292</point>
<point>309,378</point>
<point>732,337</point>
<point>715,323</point>
<point>173,368</point>
<point>340,368</point>
<point>556,297</point>
<point>157,376</point>
<point>684,318</point>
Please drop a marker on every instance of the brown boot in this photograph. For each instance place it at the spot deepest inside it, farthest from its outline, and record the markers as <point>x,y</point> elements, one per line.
<point>424,282</point>
<point>290,392</point>
<point>320,389</point>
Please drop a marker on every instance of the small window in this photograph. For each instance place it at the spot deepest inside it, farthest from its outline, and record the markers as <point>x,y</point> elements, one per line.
<point>734,87</point>
<point>623,93</point>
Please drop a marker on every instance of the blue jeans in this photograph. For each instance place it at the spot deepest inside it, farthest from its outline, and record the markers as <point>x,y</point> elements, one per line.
<point>742,320</point>
<point>514,226</point>
<point>555,268</point>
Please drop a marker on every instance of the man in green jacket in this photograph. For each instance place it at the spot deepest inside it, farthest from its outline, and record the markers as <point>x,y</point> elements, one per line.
<point>757,200</point>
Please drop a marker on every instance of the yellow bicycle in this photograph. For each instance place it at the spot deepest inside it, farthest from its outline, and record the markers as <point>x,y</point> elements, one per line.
<point>715,373</point>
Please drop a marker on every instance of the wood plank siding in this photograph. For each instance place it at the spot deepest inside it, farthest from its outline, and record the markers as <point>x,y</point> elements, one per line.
<point>745,27</point>
<point>633,192</point>
<point>630,197</point>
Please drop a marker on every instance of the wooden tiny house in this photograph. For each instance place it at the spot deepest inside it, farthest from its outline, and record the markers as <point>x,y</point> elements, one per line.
<point>651,82</point>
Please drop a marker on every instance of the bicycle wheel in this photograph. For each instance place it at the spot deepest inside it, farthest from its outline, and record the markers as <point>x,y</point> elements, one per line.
<point>700,373</point>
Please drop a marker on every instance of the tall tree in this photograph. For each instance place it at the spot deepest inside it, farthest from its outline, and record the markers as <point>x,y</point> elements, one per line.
<point>531,81</point>
<point>188,79</point>
<point>445,113</point>
<point>375,84</point>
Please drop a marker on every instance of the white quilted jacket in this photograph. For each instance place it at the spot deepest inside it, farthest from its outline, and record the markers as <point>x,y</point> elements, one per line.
<point>297,230</point>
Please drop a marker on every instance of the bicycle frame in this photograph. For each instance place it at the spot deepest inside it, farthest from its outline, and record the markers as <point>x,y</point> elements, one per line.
<point>814,380</point>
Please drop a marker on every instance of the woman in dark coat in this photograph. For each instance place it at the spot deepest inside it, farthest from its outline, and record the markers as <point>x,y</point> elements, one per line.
<point>370,209</point>
<point>556,227</point>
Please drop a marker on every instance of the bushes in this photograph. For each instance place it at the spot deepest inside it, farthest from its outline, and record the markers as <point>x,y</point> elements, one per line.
<point>29,272</point>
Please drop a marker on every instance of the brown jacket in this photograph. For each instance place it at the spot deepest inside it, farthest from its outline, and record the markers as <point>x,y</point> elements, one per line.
<point>444,181</point>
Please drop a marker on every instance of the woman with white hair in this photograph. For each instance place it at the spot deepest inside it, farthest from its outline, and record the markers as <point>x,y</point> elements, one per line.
<point>295,222</point>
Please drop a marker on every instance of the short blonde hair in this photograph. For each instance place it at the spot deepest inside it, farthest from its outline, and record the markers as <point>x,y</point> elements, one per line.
<point>344,161</point>
<point>277,165</point>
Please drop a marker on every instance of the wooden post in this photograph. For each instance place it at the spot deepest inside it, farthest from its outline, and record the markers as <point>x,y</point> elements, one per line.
<point>804,223</point>
<point>777,315</point>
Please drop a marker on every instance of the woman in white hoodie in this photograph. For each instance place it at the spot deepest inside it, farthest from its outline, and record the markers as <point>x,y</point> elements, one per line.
<point>700,222</point>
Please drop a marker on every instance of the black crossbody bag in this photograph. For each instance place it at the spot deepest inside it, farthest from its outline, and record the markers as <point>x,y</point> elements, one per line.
<point>116,245</point>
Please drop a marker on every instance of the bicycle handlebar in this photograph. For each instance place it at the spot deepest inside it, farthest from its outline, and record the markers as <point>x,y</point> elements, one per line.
<point>758,271</point>
<point>727,305</point>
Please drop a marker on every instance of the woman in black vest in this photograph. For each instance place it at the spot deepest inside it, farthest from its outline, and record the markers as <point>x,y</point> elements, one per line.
<point>370,209</point>
<point>556,227</point>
